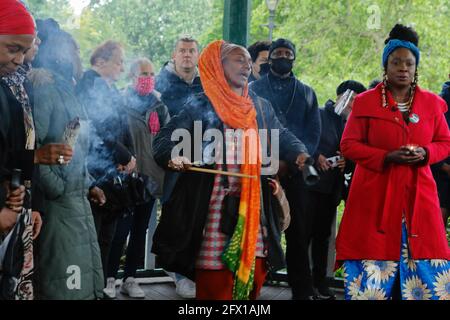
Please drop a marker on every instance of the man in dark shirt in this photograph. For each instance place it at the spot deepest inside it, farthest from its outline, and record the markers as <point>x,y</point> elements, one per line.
<point>111,149</point>
<point>177,82</point>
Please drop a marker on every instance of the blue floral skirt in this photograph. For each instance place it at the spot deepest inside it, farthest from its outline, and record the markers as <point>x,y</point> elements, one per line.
<point>419,279</point>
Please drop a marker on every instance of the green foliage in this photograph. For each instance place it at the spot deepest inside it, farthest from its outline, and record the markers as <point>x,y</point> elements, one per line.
<point>334,41</point>
<point>59,10</point>
<point>146,27</point>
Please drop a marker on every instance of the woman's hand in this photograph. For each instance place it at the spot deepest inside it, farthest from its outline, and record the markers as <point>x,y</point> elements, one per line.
<point>53,153</point>
<point>406,156</point>
<point>14,199</point>
<point>180,164</point>
<point>422,152</point>
<point>36,221</point>
<point>97,196</point>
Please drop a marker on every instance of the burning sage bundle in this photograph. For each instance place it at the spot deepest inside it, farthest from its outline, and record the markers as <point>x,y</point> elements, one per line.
<point>71,132</point>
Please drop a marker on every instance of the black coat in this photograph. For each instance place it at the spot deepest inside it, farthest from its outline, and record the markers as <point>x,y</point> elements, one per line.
<point>179,235</point>
<point>437,172</point>
<point>13,154</point>
<point>302,118</point>
<point>17,156</point>
<point>111,142</point>
<point>441,178</point>
<point>332,181</point>
<point>4,125</point>
<point>175,91</point>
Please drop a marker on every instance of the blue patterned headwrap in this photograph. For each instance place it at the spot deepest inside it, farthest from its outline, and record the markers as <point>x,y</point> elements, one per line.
<point>395,44</point>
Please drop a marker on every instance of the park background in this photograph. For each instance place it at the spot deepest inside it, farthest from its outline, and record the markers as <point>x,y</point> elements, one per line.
<point>336,40</point>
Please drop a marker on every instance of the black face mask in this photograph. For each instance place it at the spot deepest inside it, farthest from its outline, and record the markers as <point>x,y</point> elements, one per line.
<point>282,66</point>
<point>264,69</point>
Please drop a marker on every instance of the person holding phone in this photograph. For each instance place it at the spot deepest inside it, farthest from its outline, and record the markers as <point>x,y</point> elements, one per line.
<point>323,198</point>
<point>392,241</point>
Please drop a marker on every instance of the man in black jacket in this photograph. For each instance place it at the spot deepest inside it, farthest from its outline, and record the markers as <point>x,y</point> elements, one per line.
<point>111,145</point>
<point>295,105</point>
<point>179,79</point>
<point>177,82</point>
<point>323,198</point>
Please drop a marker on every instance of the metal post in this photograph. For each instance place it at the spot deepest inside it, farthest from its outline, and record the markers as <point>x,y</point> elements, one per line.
<point>236,21</point>
<point>149,256</point>
<point>271,24</point>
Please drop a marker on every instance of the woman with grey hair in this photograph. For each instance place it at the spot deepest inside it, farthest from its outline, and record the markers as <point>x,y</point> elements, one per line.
<point>146,115</point>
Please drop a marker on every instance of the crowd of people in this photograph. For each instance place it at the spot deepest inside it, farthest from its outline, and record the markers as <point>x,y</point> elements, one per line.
<point>83,163</point>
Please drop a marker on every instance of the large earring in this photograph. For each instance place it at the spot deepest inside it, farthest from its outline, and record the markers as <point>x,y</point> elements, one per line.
<point>383,90</point>
<point>385,78</point>
<point>413,88</point>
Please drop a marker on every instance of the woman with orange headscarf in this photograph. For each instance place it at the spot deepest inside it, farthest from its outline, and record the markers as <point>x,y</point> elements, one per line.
<point>222,231</point>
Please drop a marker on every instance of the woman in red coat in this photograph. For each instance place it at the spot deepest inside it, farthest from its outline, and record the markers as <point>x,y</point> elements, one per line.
<point>392,239</point>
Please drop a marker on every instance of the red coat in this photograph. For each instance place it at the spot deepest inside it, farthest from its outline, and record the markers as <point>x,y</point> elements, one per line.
<point>371,225</point>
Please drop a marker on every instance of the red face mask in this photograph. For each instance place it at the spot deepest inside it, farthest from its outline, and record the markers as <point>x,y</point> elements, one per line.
<point>144,85</point>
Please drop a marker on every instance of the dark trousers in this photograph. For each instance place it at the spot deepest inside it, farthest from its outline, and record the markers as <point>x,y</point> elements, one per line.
<point>134,225</point>
<point>106,228</point>
<point>324,212</point>
<point>312,215</point>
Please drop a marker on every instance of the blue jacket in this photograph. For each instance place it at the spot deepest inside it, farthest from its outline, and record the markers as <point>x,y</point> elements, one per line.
<point>302,118</point>
<point>175,91</point>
